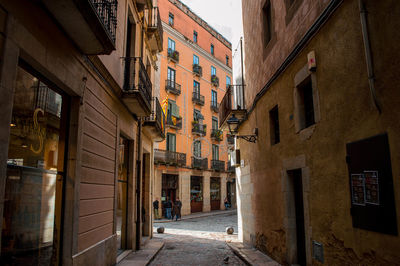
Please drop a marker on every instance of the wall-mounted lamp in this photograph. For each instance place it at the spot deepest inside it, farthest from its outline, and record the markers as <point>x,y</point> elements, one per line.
<point>233,123</point>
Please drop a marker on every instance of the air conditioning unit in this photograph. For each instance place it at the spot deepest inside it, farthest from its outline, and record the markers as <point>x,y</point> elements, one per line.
<point>235,158</point>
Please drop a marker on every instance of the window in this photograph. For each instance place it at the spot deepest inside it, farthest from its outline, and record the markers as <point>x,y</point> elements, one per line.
<point>214,100</point>
<point>171,19</point>
<point>214,122</point>
<point>212,49</point>
<point>213,71</point>
<point>306,103</point>
<point>215,152</point>
<point>197,148</point>
<point>171,44</point>
<point>267,22</point>
<point>228,81</point>
<point>171,74</point>
<point>195,36</point>
<point>227,60</point>
<point>171,142</point>
<point>197,116</point>
<point>196,87</point>
<point>173,109</point>
<point>274,125</point>
<point>195,60</point>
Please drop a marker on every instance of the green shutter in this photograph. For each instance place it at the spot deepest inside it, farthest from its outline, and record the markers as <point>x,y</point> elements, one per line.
<point>175,110</point>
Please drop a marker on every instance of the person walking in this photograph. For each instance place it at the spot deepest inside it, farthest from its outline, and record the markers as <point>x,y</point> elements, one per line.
<point>155,207</point>
<point>168,206</point>
<point>177,209</point>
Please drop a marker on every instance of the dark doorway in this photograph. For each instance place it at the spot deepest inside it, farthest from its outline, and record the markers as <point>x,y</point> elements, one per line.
<point>169,189</point>
<point>196,194</point>
<point>296,183</point>
<point>122,196</point>
<point>215,193</point>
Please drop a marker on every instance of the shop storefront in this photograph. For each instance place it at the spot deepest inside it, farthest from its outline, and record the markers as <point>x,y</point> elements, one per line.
<point>196,194</point>
<point>32,218</point>
<point>215,193</point>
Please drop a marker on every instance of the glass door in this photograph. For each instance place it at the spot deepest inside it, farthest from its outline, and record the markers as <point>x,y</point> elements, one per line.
<point>122,198</point>
<point>32,217</point>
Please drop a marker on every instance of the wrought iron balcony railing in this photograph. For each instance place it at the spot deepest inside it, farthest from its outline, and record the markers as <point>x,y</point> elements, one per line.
<point>156,120</point>
<point>233,102</point>
<point>214,80</point>
<point>155,29</point>
<point>199,129</point>
<point>198,163</point>
<point>137,86</point>
<point>218,165</point>
<point>197,98</point>
<point>229,167</point>
<point>197,70</point>
<point>107,12</point>
<point>174,122</point>
<point>173,55</point>
<point>172,87</point>
<point>217,134</point>
<point>214,106</point>
<point>169,157</point>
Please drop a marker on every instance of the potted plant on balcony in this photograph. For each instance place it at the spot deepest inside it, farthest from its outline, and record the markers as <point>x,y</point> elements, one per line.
<point>215,80</point>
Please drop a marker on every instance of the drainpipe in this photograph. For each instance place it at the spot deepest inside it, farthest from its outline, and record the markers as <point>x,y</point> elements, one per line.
<point>138,184</point>
<point>368,54</point>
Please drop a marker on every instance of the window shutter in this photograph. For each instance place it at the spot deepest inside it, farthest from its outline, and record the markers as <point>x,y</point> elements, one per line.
<point>175,110</point>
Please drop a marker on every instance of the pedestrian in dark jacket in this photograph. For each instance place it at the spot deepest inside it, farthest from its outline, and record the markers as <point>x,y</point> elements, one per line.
<point>168,206</point>
<point>155,206</point>
<point>177,209</point>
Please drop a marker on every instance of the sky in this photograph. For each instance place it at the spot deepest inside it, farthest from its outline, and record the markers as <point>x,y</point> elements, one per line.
<point>223,15</point>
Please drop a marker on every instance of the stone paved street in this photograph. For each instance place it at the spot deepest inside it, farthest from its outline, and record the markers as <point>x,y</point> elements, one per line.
<point>200,241</point>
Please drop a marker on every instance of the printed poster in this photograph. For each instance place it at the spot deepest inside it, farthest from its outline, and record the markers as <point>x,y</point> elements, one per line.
<point>371,187</point>
<point>358,189</point>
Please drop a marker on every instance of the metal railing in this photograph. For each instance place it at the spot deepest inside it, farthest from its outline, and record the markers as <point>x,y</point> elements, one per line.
<point>173,87</point>
<point>136,78</point>
<point>214,80</point>
<point>199,129</point>
<point>173,55</point>
<point>216,134</point>
<point>157,115</point>
<point>218,165</point>
<point>155,22</point>
<point>174,122</point>
<point>197,98</point>
<point>169,157</point>
<point>233,100</point>
<point>214,106</point>
<point>197,70</point>
<point>199,163</point>
<point>107,13</point>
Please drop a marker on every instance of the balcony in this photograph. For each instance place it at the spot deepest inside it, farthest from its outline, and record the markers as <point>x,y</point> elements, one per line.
<point>155,123</point>
<point>201,164</point>
<point>197,98</point>
<point>137,92</point>
<point>217,134</point>
<point>155,29</point>
<point>173,55</point>
<point>232,104</point>
<point>172,87</point>
<point>214,80</point>
<point>197,70</point>
<point>217,165</point>
<point>214,106</point>
<point>174,122</point>
<point>169,158</point>
<point>198,129</point>
<point>229,167</point>
<point>91,24</point>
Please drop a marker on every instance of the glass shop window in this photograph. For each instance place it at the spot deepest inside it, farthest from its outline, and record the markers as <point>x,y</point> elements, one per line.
<point>34,173</point>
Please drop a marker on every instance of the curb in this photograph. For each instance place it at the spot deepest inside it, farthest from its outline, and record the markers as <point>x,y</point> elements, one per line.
<point>195,217</point>
<point>238,253</point>
<point>155,254</point>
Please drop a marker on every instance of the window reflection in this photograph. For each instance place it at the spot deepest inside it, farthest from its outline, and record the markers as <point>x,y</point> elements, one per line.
<point>32,165</point>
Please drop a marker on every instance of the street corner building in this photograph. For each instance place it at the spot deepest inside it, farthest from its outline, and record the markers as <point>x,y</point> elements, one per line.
<point>195,72</point>
<point>321,184</point>
<point>80,113</point>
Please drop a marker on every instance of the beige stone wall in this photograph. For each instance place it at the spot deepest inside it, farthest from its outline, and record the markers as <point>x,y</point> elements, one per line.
<point>347,114</point>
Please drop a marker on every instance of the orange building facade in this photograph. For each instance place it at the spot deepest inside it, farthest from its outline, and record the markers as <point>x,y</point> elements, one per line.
<point>195,70</point>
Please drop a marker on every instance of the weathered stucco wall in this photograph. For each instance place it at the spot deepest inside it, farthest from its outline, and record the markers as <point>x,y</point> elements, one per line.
<point>346,114</point>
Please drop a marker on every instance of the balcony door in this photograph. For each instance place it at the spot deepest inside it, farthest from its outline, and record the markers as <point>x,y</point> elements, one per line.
<point>214,100</point>
<point>171,77</point>
<point>215,152</point>
<point>215,123</point>
<point>196,88</point>
<point>171,142</point>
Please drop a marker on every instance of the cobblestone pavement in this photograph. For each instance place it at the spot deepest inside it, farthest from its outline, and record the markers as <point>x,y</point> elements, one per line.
<point>200,241</point>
